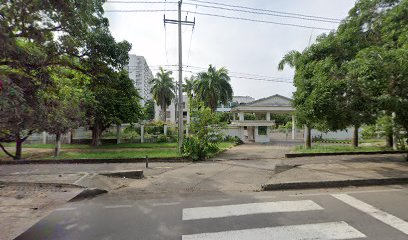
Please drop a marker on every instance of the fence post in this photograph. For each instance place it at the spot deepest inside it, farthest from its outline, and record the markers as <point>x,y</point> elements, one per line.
<point>142,133</point>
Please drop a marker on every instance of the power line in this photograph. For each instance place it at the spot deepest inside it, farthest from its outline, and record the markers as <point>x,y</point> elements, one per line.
<point>228,17</point>
<point>141,2</point>
<point>264,10</point>
<point>266,13</point>
<point>262,21</point>
<point>141,10</point>
<point>232,74</point>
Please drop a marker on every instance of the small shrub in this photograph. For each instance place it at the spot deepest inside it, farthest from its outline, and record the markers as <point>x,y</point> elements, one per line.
<point>196,150</point>
<point>162,139</point>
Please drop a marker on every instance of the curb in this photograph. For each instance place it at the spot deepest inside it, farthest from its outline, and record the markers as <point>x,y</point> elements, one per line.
<point>133,174</point>
<point>41,184</point>
<point>94,161</point>
<point>334,184</point>
<point>295,155</point>
<point>87,194</point>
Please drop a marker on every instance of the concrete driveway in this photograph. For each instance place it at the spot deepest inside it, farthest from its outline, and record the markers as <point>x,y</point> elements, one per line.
<point>256,151</point>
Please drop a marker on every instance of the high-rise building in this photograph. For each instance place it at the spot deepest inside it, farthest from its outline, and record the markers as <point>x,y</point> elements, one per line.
<point>141,75</point>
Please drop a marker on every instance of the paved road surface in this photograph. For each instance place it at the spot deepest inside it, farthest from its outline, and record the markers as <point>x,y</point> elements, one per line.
<point>358,213</point>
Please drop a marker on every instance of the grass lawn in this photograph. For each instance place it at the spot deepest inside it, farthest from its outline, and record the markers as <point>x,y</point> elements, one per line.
<point>81,151</point>
<point>337,148</point>
<point>154,153</point>
<point>105,146</point>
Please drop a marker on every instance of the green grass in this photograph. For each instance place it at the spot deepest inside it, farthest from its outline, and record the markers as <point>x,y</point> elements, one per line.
<point>105,146</point>
<point>154,153</point>
<point>139,150</point>
<point>337,148</point>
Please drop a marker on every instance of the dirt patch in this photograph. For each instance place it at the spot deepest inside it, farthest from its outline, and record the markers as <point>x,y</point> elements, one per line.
<point>23,206</point>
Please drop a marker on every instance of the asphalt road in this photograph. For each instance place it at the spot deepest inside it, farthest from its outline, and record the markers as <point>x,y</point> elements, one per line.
<point>357,213</point>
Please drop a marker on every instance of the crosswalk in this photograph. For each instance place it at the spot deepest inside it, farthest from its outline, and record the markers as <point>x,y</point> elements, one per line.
<point>307,231</point>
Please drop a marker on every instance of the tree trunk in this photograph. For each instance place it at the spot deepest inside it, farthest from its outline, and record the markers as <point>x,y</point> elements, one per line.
<point>308,137</point>
<point>19,148</point>
<point>96,134</point>
<point>57,144</point>
<point>71,136</point>
<point>388,140</point>
<point>164,113</point>
<point>354,140</point>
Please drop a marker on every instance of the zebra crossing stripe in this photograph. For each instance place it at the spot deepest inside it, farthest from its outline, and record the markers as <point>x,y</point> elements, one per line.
<point>250,208</point>
<point>318,231</point>
<point>384,217</point>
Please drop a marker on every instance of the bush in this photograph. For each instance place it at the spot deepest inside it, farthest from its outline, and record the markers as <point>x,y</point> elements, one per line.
<point>196,150</point>
<point>162,139</point>
<point>234,139</point>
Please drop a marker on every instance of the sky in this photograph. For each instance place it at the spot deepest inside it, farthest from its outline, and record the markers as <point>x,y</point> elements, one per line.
<point>240,46</point>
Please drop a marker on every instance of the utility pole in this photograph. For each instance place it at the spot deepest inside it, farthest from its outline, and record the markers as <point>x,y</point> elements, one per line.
<point>180,70</point>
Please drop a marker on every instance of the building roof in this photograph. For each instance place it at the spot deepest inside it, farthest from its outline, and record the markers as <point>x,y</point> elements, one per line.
<point>273,103</point>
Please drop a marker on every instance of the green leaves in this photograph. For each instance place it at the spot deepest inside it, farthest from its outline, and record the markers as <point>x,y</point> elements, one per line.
<point>213,87</point>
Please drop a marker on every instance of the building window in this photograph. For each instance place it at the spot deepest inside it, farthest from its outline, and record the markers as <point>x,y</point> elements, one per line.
<point>262,130</point>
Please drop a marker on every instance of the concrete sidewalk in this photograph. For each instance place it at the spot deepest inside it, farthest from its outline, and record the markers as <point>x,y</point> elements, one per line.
<point>341,174</point>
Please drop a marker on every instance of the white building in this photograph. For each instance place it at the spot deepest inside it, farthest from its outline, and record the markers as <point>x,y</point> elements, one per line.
<point>236,100</point>
<point>260,129</point>
<point>172,111</point>
<point>141,75</point>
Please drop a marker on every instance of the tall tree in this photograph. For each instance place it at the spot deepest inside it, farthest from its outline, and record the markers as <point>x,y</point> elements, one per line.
<point>62,105</point>
<point>163,90</point>
<point>213,87</point>
<point>117,101</point>
<point>34,37</point>
<point>189,86</point>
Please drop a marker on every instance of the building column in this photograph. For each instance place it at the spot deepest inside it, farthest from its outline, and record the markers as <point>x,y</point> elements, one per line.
<point>187,126</point>
<point>241,116</point>
<point>293,126</point>
<point>142,133</point>
<point>165,129</point>
<point>233,116</point>
<point>268,116</point>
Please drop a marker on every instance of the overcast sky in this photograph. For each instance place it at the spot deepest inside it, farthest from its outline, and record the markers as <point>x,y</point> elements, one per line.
<point>240,46</point>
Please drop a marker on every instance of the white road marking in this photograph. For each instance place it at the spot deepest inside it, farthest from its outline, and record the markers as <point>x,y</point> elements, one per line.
<point>71,226</point>
<point>318,231</point>
<point>247,209</point>
<point>165,204</point>
<point>118,206</point>
<point>264,197</point>
<point>349,192</point>
<point>384,217</point>
<point>81,178</point>
<point>218,200</point>
<point>65,209</point>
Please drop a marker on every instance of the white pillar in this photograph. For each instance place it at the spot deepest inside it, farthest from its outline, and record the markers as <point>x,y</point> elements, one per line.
<point>268,116</point>
<point>394,133</point>
<point>293,126</point>
<point>233,116</point>
<point>44,137</point>
<point>165,129</point>
<point>241,116</point>
<point>142,133</point>
<point>118,131</point>
<point>187,126</point>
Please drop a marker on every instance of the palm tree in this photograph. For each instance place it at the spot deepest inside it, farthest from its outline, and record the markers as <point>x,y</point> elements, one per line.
<point>189,86</point>
<point>163,90</point>
<point>213,87</point>
<point>291,58</point>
